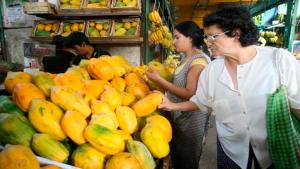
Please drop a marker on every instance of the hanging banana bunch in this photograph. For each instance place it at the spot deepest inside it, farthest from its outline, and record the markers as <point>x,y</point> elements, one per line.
<point>159,33</point>
<point>155,18</point>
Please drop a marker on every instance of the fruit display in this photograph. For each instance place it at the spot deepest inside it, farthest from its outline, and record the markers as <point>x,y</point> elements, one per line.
<point>98,28</point>
<point>97,4</point>
<point>68,27</point>
<point>272,37</point>
<point>70,4</point>
<point>100,115</point>
<point>160,33</point>
<point>125,3</point>
<point>46,28</point>
<point>126,28</point>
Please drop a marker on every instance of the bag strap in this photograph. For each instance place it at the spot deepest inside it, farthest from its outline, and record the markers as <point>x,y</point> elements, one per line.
<point>277,65</point>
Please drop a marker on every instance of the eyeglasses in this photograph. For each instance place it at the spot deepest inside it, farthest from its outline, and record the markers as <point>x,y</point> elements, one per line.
<point>214,37</point>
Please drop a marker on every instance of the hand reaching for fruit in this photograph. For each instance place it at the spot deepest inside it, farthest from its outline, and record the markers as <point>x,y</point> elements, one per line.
<point>153,74</point>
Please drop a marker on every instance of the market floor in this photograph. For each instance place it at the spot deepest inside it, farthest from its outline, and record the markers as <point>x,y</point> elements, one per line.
<point>209,153</point>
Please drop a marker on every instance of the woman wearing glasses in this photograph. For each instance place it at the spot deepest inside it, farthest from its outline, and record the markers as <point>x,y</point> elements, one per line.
<point>236,86</point>
<point>188,127</point>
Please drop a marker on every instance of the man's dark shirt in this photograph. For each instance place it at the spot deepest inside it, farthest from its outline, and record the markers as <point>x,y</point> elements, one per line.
<point>97,53</point>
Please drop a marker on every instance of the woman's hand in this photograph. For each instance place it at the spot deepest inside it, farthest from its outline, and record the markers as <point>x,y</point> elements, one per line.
<point>167,104</point>
<point>152,74</point>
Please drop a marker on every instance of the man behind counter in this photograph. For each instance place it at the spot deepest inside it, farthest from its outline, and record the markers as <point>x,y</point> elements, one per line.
<point>80,43</point>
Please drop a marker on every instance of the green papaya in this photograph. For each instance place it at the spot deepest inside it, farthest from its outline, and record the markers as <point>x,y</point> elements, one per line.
<point>131,31</point>
<point>15,129</point>
<point>8,106</point>
<point>42,33</point>
<point>93,32</point>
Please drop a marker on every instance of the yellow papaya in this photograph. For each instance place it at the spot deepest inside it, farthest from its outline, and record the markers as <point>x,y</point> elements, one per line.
<point>24,93</point>
<point>127,99</point>
<point>95,87</point>
<point>45,117</point>
<point>80,72</point>
<point>112,97</point>
<point>119,70</point>
<point>68,99</point>
<point>153,137</point>
<point>122,61</point>
<point>118,83</point>
<point>18,157</point>
<point>104,140</point>
<point>15,129</point>
<point>141,153</point>
<point>105,120</point>
<point>73,124</point>
<point>13,78</point>
<point>44,82</point>
<point>46,146</point>
<point>163,123</point>
<point>125,135</point>
<point>127,119</point>
<point>100,69</point>
<point>148,104</point>
<point>122,160</point>
<point>87,157</point>
<point>70,80</point>
<point>136,85</point>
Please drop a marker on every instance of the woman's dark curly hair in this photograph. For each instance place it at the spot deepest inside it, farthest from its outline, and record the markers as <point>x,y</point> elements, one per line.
<point>232,18</point>
<point>192,30</point>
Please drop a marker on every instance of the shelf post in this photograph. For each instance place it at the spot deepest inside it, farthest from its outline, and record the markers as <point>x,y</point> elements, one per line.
<point>147,56</point>
<point>290,21</point>
<point>2,36</point>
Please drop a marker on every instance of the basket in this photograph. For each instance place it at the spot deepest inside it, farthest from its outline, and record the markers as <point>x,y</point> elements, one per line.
<point>115,28</point>
<point>54,31</point>
<point>80,26</point>
<point>102,22</point>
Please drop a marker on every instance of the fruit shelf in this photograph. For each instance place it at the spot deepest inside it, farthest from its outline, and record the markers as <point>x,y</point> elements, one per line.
<point>137,40</point>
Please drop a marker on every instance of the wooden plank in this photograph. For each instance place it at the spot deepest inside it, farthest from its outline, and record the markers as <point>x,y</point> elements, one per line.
<point>137,40</point>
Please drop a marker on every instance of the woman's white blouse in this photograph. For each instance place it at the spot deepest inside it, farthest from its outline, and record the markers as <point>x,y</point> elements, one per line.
<point>241,113</point>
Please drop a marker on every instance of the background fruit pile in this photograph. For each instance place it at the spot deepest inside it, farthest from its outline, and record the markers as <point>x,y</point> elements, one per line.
<point>73,4</point>
<point>98,28</point>
<point>97,4</point>
<point>272,37</point>
<point>125,27</point>
<point>125,3</point>
<point>46,29</point>
<point>100,114</point>
<point>74,26</point>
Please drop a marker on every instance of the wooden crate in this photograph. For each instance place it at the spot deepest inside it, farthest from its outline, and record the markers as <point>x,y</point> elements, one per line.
<point>36,22</point>
<point>108,21</point>
<point>38,8</point>
<point>70,22</point>
<point>137,7</point>
<point>137,31</point>
<point>86,8</point>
